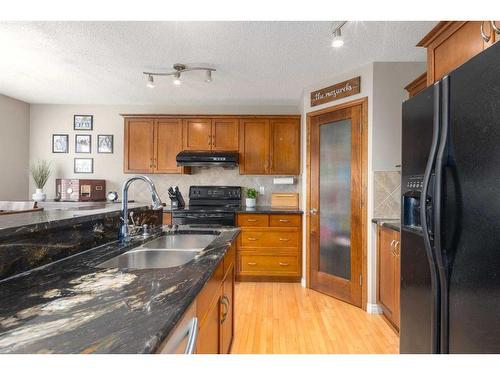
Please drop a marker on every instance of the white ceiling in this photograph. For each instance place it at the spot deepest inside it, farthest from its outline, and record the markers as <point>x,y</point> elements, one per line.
<point>256,62</point>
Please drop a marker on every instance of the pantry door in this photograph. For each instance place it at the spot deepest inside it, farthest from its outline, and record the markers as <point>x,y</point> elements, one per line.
<point>336,208</point>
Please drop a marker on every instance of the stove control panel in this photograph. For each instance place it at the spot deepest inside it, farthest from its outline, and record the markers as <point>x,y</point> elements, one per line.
<point>215,192</point>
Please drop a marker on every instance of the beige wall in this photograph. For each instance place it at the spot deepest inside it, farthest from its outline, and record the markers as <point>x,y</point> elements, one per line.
<point>14,149</point>
<point>49,119</point>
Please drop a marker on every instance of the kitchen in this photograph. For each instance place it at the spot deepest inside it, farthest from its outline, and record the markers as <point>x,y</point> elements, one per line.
<point>189,213</point>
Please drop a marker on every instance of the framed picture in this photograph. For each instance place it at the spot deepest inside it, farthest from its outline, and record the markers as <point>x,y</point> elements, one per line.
<point>83,122</point>
<point>105,144</point>
<point>60,143</point>
<point>83,143</point>
<point>84,165</point>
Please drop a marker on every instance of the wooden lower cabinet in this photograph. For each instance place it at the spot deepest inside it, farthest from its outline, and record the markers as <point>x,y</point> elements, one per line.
<point>269,247</point>
<point>215,309</point>
<point>167,218</point>
<point>389,273</point>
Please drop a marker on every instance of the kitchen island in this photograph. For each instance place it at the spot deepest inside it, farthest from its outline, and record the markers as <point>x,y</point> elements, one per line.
<point>73,306</point>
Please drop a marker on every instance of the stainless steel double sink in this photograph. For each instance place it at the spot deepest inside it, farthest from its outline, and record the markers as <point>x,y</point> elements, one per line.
<point>170,250</point>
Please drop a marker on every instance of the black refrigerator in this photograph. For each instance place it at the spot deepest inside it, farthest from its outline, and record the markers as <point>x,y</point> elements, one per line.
<point>450,212</point>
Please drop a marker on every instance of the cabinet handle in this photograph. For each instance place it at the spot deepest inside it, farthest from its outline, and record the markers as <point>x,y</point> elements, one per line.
<point>485,37</point>
<point>251,220</point>
<point>224,302</point>
<point>284,264</point>
<point>284,239</point>
<point>209,140</point>
<point>284,221</point>
<point>495,27</point>
<point>397,248</point>
<point>252,239</point>
<point>392,243</point>
<point>252,263</point>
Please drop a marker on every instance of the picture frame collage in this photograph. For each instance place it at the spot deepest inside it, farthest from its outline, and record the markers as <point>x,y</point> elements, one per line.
<point>83,143</point>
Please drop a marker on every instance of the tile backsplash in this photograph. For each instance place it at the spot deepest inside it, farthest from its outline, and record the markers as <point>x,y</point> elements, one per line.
<point>206,176</point>
<point>387,194</point>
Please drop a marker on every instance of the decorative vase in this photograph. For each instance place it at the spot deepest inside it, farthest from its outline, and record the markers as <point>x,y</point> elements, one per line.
<point>250,202</point>
<point>39,195</point>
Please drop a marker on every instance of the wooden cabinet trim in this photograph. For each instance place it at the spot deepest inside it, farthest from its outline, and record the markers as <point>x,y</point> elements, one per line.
<point>417,85</point>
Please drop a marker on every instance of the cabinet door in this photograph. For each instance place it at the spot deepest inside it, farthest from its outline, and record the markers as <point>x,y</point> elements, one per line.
<point>208,335</point>
<point>397,279</point>
<point>168,143</point>
<point>386,270</point>
<point>225,134</point>
<point>139,145</point>
<point>197,134</point>
<point>227,312</point>
<point>254,146</point>
<point>285,146</point>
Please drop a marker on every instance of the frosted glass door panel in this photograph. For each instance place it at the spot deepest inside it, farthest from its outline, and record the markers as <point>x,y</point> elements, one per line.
<point>335,199</point>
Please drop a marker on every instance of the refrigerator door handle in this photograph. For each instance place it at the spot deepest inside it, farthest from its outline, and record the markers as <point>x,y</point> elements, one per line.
<point>438,204</point>
<point>435,317</point>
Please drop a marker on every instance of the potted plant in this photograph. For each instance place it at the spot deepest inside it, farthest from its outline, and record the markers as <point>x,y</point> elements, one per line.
<point>40,171</point>
<point>251,197</point>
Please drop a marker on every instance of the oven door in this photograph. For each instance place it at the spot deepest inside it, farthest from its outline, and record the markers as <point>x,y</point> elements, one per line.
<point>188,218</point>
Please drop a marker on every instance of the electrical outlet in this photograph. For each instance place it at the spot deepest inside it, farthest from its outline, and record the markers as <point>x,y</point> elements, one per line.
<point>262,191</point>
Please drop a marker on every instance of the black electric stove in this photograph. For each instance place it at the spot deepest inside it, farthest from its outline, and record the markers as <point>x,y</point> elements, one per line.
<point>210,205</point>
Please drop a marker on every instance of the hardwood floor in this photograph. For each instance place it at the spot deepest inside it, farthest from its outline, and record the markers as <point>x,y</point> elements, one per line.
<point>284,318</point>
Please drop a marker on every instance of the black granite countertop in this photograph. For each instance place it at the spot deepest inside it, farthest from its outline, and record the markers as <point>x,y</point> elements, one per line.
<point>394,224</point>
<point>255,210</point>
<point>53,217</point>
<point>71,306</point>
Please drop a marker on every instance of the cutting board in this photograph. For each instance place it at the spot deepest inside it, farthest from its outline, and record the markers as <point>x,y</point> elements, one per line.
<point>290,200</point>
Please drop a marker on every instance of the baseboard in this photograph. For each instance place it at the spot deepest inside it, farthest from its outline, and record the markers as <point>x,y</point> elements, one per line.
<point>373,308</point>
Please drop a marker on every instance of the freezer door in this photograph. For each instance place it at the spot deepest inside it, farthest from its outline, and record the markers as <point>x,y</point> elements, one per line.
<point>417,295</point>
<point>471,207</point>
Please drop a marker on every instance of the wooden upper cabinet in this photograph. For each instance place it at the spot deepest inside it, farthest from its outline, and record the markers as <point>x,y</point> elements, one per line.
<point>139,145</point>
<point>417,85</point>
<point>452,43</point>
<point>285,147</point>
<point>197,134</point>
<point>254,146</point>
<point>225,134</point>
<point>168,143</point>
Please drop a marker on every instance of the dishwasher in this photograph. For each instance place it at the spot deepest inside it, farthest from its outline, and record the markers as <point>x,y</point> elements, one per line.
<point>182,339</point>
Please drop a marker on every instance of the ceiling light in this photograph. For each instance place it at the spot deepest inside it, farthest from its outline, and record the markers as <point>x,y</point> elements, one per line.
<point>178,69</point>
<point>338,40</point>
<point>151,82</point>
<point>177,79</point>
<point>208,76</point>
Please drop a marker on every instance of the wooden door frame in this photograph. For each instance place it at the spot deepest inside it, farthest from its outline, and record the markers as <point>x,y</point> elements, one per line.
<point>363,102</point>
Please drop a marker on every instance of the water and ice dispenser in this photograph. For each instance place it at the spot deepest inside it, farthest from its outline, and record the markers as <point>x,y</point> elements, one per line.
<point>412,202</point>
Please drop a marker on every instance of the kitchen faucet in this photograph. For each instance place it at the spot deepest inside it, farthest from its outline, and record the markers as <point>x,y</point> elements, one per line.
<point>155,199</point>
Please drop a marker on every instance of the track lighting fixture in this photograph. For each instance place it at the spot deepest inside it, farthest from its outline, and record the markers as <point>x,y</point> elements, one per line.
<point>338,40</point>
<point>178,70</point>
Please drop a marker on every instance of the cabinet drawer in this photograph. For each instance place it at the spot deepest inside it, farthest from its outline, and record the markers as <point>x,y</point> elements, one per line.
<point>269,264</point>
<point>253,220</point>
<point>284,220</point>
<point>255,238</point>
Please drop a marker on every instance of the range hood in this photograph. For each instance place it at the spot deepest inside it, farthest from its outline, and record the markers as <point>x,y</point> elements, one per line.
<point>207,158</point>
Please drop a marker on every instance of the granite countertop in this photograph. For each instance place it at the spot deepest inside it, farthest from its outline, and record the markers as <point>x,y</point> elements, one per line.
<point>55,215</point>
<point>394,224</point>
<point>256,210</point>
<point>71,306</point>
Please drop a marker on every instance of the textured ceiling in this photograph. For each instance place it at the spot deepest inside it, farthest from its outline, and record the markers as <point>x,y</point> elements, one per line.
<point>256,62</point>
